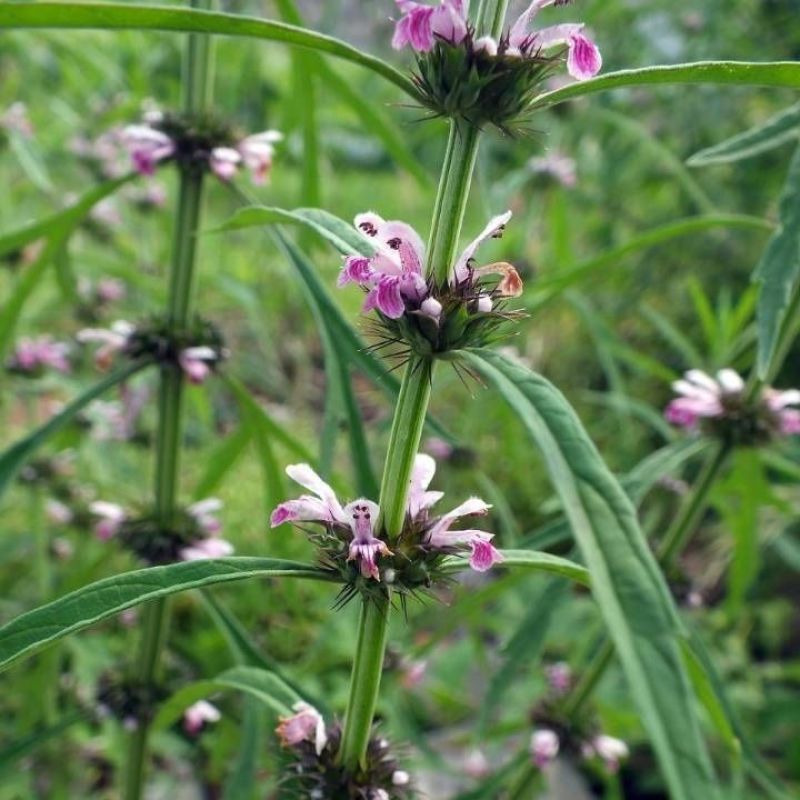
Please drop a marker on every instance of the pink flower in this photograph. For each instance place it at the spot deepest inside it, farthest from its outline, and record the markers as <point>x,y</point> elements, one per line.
<point>610,750</point>
<point>197,362</point>
<point>544,747</point>
<point>111,518</point>
<point>778,401</point>
<point>583,58</point>
<point>57,512</point>
<point>210,545</point>
<point>112,340</point>
<point>393,275</point>
<point>421,25</point>
<point>556,165</point>
<point>34,355</point>
<point>147,147</point>
<point>15,119</point>
<point>255,152</point>
<point>306,725</point>
<point>198,714</point>
<point>559,676</point>
<point>358,519</point>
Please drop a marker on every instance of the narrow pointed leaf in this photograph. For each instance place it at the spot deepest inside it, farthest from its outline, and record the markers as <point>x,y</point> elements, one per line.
<point>261,684</point>
<point>776,131</point>
<point>130,16</point>
<point>16,455</point>
<point>736,73</point>
<point>626,582</point>
<point>39,628</point>
<point>778,271</point>
<point>529,559</point>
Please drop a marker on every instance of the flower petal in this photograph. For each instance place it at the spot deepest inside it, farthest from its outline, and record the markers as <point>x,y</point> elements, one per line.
<point>494,230</point>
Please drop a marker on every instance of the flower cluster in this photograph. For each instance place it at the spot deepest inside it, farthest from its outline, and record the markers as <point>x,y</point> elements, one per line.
<point>196,351</point>
<point>316,773</point>
<point>430,319</point>
<point>352,544</point>
<point>32,357</point>
<point>723,408</point>
<point>198,142</point>
<point>485,80</point>
<point>193,535</point>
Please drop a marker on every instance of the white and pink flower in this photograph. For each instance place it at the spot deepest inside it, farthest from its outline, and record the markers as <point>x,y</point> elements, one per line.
<point>112,340</point>
<point>198,715</point>
<point>110,518</point>
<point>254,152</point>
<point>393,276</point>
<point>421,25</point>
<point>32,356</point>
<point>611,751</point>
<point>544,747</point>
<point>147,147</point>
<point>358,519</point>
<point>702,397</point>
<point>210,544</point>
<point>306,725</point>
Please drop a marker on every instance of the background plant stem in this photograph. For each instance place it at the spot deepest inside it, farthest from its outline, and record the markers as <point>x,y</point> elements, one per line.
<point>155,622</point>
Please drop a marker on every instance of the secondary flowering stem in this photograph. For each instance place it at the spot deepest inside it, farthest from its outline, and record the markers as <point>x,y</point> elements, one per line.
<point>196,84</point>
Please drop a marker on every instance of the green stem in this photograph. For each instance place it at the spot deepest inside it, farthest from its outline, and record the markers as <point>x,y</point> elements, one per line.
<point>409,419</point>
<point>197,89</point>
<point>689,515</point>
<point>365,680</point>
<point>490,17</point>
<point>451,201</point>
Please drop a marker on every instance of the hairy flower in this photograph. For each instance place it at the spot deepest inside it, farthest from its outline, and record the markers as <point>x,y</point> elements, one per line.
<point>198,714</point>
<point>209,544</point>
<point>434,319</point>
<point>421,25</point>
<point>354,524</point>
<point>722,403</point>
<point>147,147</point>
<point>112,340</point>
<point>111,516</point>
<point>32,356</point>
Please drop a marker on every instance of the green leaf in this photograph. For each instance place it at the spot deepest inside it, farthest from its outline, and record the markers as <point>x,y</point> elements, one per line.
<point>778,271</point>
<point>342,235</point>
<point>62,221</point>
<point>718,703</point>
<point>57,228</point>
<point>626,582</point>
<point>259,683</point>
<point>128,16</point>
<point>783,127</point>
<point>337,371</point>
<point>737,73</point>
<point>528,559</point>
<point>242,778</point>
<point>17,454</point>
<point>39,628</point>
<point>221,462</point>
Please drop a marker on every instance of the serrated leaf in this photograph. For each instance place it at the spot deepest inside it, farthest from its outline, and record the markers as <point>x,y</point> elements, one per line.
<point>776,131</point>
<point>41,627</point>
<point>626,582</point>
<point>778,271</point>
<point>129,16</point>
<point>16,455</point>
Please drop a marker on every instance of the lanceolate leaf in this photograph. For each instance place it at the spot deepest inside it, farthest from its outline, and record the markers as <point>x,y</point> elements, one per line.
<point>529,559</point>
<point>736,73</point>
<point>783,127</point>
<point>262,684</point>
<point>17,454</point>
<point>626,581</point>
<point>343,236</point>
<point>778,270</point>
<point>35,630</point>
<point>128,16</point>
